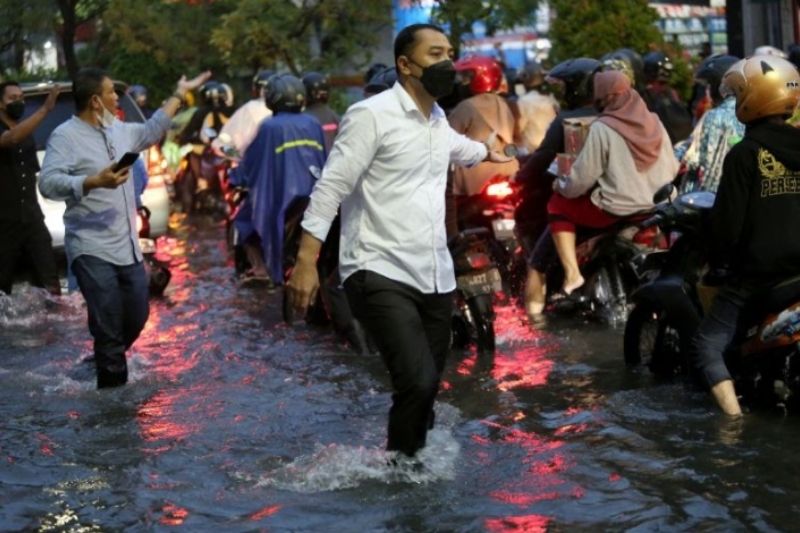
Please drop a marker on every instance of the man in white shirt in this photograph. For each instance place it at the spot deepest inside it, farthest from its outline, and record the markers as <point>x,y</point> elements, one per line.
<point>243,124</point>
<point>388,170</point>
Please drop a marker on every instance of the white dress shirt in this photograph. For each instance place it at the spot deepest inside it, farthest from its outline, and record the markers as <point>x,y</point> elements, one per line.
<point>388,171</point>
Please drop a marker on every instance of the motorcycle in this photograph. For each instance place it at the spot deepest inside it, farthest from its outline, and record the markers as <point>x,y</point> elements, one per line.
<point>493,209</point>
<point>477,281</point>
<point>668,311</point>
<point>158,273</point>
<point>204,192</point>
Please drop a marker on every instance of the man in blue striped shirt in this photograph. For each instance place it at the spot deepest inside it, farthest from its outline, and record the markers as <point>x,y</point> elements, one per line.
<point>100,239</point>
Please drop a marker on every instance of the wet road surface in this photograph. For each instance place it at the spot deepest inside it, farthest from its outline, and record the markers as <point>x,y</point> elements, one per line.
<point>234,421</point>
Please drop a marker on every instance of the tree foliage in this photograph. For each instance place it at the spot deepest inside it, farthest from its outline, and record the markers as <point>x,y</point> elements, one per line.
<point>300,34</point>
<point>460,15</point>
<point>590,28</point>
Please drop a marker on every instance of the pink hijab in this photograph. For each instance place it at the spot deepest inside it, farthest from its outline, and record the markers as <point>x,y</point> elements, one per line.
<point>625,112</point>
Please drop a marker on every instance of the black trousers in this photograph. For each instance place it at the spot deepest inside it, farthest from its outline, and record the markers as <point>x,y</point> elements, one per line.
<point>412,332</point>
<point>27,241</point>
<point>117,302</point>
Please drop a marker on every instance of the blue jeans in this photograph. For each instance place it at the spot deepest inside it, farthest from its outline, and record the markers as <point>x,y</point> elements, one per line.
<point>117,301</point>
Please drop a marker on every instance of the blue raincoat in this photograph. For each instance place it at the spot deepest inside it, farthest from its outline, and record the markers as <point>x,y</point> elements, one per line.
<point>280,166</point>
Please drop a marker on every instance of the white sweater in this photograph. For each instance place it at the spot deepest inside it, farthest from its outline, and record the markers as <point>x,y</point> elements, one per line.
<point>606,161</point>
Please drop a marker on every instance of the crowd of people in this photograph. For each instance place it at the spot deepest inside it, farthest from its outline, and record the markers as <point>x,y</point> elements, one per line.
<point>429,129</point>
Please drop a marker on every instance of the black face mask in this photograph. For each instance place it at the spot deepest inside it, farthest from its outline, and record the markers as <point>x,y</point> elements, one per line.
<point>15,110</point>
<point>438,79</point>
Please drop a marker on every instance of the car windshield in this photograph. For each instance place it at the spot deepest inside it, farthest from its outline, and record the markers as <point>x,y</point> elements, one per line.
<point>65,108</point>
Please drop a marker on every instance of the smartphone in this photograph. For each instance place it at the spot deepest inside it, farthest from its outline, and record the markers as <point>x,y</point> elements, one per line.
<point>127,160</point>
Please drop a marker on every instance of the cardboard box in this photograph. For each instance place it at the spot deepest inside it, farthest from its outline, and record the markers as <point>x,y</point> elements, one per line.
<point>564,163</point>
<point>575,132</point>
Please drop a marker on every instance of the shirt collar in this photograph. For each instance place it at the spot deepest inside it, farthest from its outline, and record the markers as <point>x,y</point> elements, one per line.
<point>408,104</point>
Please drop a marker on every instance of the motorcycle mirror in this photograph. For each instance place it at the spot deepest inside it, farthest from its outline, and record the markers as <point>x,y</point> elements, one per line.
<point>210,133</point>
<point>664,193</point>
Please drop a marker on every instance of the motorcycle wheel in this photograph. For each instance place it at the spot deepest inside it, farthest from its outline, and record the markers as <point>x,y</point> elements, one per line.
<point>483,320</point>
<point>652,341</point>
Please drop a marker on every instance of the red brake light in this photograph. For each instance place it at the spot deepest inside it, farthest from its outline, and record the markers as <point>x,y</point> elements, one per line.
<point>499,189</point>
<point>478,261</point>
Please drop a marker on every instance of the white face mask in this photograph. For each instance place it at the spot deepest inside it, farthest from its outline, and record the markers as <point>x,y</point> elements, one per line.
<point>107,118</point>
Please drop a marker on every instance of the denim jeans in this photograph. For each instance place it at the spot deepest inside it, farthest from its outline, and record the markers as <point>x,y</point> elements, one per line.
<point>117,301</point>
<point>412,332</point>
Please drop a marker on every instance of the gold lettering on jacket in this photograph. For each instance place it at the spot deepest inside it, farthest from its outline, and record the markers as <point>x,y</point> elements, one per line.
<point>776,179</point>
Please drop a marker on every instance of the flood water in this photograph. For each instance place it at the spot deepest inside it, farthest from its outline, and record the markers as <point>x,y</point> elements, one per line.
<point>234,421</point>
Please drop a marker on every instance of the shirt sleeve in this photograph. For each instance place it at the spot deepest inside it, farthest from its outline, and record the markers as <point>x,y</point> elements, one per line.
<point>351,155</point>
<point>145,135</point>
<point>464,151</point>
<point>56,180</point>
<point>588,167</point>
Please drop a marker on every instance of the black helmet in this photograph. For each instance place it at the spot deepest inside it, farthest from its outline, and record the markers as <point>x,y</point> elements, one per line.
<point>657,67</point>
<point>576,75</point>
<point>285,93</point>
<point>138,93</point>
<point>632,60</point>
<point>317,87</point>
<point>793,54</point>
<point>213,94</point>
<point>381,81</point>
<point>711,71</point>
<point>374,69</point>
<point>260,80</point>
<point>531,75</point>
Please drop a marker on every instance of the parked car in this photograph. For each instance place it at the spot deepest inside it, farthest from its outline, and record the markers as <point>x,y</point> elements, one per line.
<point>155,196</point>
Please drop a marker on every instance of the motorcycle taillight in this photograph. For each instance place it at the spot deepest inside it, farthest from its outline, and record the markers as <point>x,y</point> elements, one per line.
<point>478,261</point>
<point>499,190</point>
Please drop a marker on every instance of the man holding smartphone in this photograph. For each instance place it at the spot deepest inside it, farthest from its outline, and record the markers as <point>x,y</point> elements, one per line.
<point>81,167</point>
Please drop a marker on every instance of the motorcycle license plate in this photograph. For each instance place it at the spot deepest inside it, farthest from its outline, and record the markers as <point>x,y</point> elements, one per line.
<point>148,246</point>
<point>486,282</point>
<point>503,228</point>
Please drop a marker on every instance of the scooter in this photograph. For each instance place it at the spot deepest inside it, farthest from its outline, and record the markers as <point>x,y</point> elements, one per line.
<point>477,281</point>
<point>158,273</point>
<point>668,310</point>
<point>203,192</point>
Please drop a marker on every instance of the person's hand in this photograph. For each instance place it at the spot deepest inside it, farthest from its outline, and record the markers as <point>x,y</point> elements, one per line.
<point>52,96</point>
<point>184,85</point>
<point>107,179</point>
<point>303,285</point>
<point>492,155</point>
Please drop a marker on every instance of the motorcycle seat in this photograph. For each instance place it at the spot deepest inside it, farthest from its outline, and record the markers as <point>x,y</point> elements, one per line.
<point>775,299</point>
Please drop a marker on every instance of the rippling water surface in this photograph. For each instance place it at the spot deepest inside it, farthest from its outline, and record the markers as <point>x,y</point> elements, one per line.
<point>234,421</point>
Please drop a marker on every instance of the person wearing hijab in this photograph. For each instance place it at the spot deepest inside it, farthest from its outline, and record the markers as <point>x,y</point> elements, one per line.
<point>627,157</point>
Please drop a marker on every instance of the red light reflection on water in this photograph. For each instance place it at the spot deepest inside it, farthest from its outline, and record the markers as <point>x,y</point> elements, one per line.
<point>265,512</point>
<point>532,523</point>
<point>173,515</point>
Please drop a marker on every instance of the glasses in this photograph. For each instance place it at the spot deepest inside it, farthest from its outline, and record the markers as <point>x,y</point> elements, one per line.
<point>112,153</point>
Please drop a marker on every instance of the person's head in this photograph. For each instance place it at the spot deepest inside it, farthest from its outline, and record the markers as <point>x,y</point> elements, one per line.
<point>139,94</point>
<point>94,91</point>
<point>610,87</point>
<point>12,100</point>
<point>381,81</point>
<point>532,75</point>
<point>573,80</point>
<point>627,61</point>
<point>318,88</point>
<point>212,94</point>
<point>478,75</point>
<point>423,58</point>
<point>657,67</point>
<point>259,85</point>
<point>285,94</point>
<point>711,71</point>
<point>372,70</point>
<point>764,86</point>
